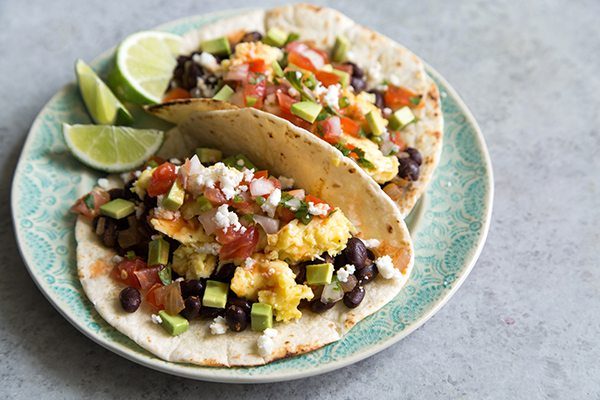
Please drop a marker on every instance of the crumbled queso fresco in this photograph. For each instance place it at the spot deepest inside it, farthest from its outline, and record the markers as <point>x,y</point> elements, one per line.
<point>156,319</point>
<point>265,342</point>
<point>318,209</point>
<point>386,267</point>
<point>228,178</point>
<point>270,205</point>
<point>344,272</point>
<point>218,326</point>
<point>208,248</point>
<point>332,97</point>
<point>371,243</point>
<point>286,183</point>
<point>228,219</point>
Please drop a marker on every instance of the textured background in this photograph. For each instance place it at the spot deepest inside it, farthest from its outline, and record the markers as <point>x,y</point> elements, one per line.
<point>526,322</point>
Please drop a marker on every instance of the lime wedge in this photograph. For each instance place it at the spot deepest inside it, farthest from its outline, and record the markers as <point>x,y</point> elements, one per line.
<point>101,103</point>
<point>144,66</point>
<point>112,148</point>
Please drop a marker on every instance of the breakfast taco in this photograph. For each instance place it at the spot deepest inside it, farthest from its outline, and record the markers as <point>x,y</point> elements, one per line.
<point>359,91</point>
<point>224,252</point>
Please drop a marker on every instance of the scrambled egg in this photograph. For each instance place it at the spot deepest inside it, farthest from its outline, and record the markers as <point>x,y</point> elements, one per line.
<point>385,167</point>
<point>141,184</point>
<point>297,242</point>
<point>191,264</point>
<point>246,52</point>
<point>271,282</point>
<point>188,232</point>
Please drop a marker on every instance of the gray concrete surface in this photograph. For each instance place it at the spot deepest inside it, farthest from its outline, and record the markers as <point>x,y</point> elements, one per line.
<point>526,324</point>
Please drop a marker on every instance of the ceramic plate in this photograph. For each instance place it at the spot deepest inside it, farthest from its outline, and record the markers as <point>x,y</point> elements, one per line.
<point>449,228</point>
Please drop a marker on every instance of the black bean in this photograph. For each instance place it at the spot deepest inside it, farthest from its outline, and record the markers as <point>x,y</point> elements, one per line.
<point>357,72</point>
<point>371,255</point>
<point>242,303</point>
<point>356,253</point>
<point>211,312</point>
<point>127,193</point>
<point>367,274</point>
<point>193,305</point>
<point>116,193</point>
<point>130,299</point>
<point>236,317</point>
<point>378,98</point>
<point>354,297</point>
<point>318,306</point>
<point>191,74</point>
<point>301,275</point>
<point>224,273</point>
<point>252,37</point>
<point>149,202</point>
<point>359,84</point>
<point>415,155</point>
<point>408,169</point>
<point>340,261</point>
<point>109,236</point>
<point>192,287</point>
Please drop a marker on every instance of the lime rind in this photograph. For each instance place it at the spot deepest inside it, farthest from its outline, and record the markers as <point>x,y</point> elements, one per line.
<point>112,148</point>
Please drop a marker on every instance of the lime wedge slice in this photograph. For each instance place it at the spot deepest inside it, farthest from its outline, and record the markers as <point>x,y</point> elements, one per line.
<point>101,103</point>
<point>144,66</point>
<point>112,148</point>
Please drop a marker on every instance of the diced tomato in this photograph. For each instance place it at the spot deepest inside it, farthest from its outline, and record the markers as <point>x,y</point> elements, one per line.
<point>125,271</point>
<point>396,97</point>
<point>261,174</point>
<point>297,193</point>
<point>155,296</point>
<point>327,78</point>
<point>215,196</point>
<point>284,214</point>
<point>331,129</point>
<point>276,182</point>
<point>350,127</point>
<point>306,56</point>
<point>313,199</point>
<point>173,299</point>
<point>258,65</point>
<point>300,61</point>
<point>255,87</point>
<point>237,245</point>
<point>162,179</point>
<point>89,205</point>
<point>396,139</point>
<point>176,94</point>
<point>245,207</point>
<point>148,276</point>
<point>285,101</point>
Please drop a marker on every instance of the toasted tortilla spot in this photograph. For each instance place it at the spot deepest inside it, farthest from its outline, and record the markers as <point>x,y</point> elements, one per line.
<point>100,267</point>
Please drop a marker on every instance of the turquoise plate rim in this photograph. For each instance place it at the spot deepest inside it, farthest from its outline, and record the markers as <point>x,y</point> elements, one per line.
<point>232,375</point>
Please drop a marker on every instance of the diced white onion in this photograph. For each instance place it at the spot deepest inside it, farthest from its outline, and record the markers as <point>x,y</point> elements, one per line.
<point>332,292</point>
<point>261,187</point>
<point>207,219</point>
<point>270,225</point>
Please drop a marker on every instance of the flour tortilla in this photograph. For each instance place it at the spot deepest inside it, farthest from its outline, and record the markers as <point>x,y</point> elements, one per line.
<point>274,144</point>
<point>380,57</point>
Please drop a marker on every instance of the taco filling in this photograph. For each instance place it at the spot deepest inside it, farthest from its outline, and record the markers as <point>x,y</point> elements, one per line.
<point>217,239</point>
<point>315,88</point>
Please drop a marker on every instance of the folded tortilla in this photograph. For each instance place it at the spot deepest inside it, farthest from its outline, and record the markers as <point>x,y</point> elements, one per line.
<point>380,57</point>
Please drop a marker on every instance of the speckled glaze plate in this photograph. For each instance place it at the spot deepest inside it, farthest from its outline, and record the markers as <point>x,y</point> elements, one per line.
<point>449,227</point>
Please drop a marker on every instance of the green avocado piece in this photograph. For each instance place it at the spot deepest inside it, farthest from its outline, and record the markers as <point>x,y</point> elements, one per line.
<point>239,161</point>
<point>307,110</point>
<point>344,77</point>
<point>275,37</point>
<point>174,324</point>
<point>207,155</point>
<point>203,204</point>
<point>401,118</point>
<point>340,49</point>
<point>117,208</point>
<point>224,93</point>
<point>219,46</point>
<point>375,123</point>
<point>319,274</point>
<point>251,101</point>
<point>215,294</point>
<point>158,252</point>
<point>261,317</point>
<point>277,69</point>
<point>174,198</point>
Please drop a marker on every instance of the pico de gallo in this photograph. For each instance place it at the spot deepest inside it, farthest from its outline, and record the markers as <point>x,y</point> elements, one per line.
<point>216,238</point>
<point>317,89</point>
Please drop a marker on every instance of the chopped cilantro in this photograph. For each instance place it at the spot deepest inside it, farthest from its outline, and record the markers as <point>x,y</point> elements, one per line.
<point>260,200</point>
<point>310,81</point>
<point>340,146</point>
<point>89,201</point>
<point>130,255</point>
<point>365,163</point>
<point>415,100</point>
<point>295,79</point>
<point>302,214</point>
<point>292,37</point>
<point>344,102</point>
<point>238,199</point>
<point>165,275</point>
<point>152,164</point>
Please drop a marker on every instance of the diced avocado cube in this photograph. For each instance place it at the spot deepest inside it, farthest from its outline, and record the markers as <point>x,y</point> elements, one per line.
<point>174,198</point>
<point>158,252</point>
<point>307,110</point>
<point>401,118</point>
<point>344,77</point>
<point>117,208</point>
<point>261,317</point>
<point>203,204</point>
<point>277,69</point>
<point>319,274</point>
<point>340,49</point>
<point>224,93</point>
<point>375,122</point>
<point>275,37</point>
<point>215,294</point>
<point>251,101</point>
<point>219,46</point>
<point>239,162</point>
<point>208,156</point>
<point>174,324</point>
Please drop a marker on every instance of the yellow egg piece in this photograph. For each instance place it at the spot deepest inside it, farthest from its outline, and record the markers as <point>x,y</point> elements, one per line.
<point>188,262</point>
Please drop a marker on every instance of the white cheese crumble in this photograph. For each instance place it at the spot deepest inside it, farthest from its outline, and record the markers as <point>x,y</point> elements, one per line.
<point>218,326</point>
<point>156,319</point>
<point>126,176</point>
<point>286,183</point>
<point>228,178</point>
<point>240,163</point>
<point>175,161</point>
<point>249,262</point>
<point>332,97</point>
<point>344,272</point>
<point>270,205</point>
<point>207,61</point>
<point>208,248</point>
<point>371,243</point>
<point>116,259</point>
<point>386,267</point>
<point>103,183</point>
<point>227,219</point>
<point>248,175</point>
<point>265,342</point>
<point>394,80</point>
<point>318,209</point>
<point>375,72</point>
<point>320,89</point>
